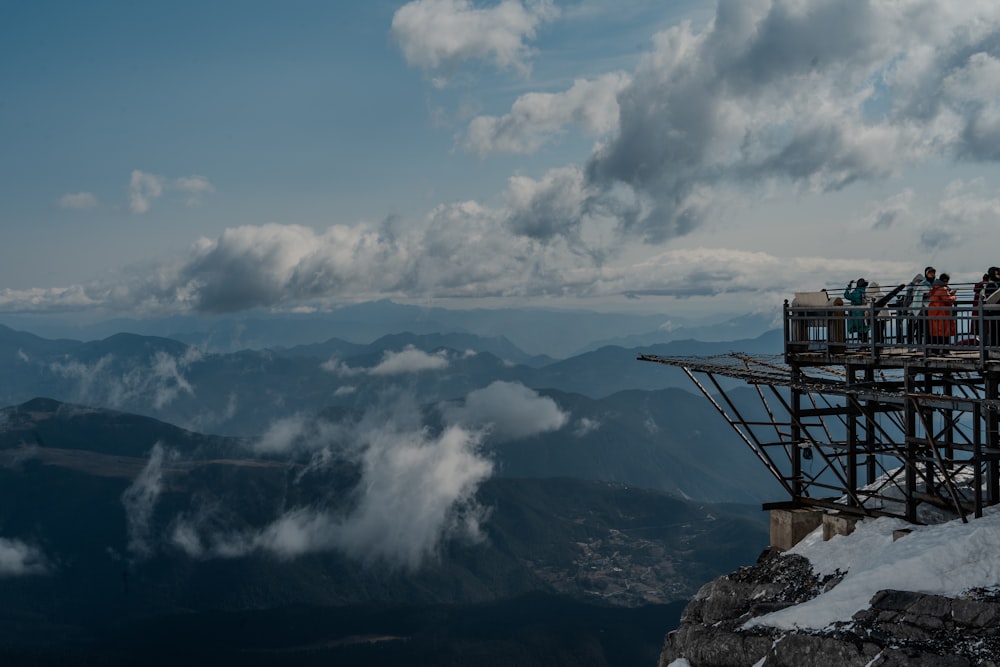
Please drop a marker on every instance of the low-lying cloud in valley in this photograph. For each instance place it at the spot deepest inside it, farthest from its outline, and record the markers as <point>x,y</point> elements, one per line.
<point>140,499</point>
<point>408,360</point>
<point>507,410</point>
<point>18,558</point>
<point>417,488</point>
<point>119,383</point>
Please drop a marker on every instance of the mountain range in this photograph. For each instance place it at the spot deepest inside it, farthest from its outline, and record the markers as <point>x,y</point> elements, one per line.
<point>96,515</point>
<point>557,333</point>
<point>622,420</point>
<point>427,497</point>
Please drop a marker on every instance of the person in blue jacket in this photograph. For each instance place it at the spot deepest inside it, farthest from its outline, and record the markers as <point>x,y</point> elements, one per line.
<point>856,322</point>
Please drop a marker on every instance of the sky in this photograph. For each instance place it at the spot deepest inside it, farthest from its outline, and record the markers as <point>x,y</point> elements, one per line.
<point>689,156</point>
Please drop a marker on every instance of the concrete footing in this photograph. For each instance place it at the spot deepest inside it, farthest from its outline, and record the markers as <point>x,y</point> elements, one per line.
<point>788,527</point>
<point>838,524</point>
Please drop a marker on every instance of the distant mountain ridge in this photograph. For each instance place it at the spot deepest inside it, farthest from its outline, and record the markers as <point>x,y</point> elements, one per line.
<point>539,331</point>
<point>634,441</point>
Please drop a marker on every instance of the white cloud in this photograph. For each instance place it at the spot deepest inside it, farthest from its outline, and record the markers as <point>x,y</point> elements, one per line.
<point>410,360</point>
<point>417,489</point>
<point>407,360</point>
<point>18,558</point>
<point>48,298</point>
<point>509,410</point>
<point>158,382</point>
<point>546,209</point>
<point>466,251</point>
<point>535,117</point>
<point>140,500</point>
<point>298,433</point>
<point>440,35</point>
<point>143,189</point>
<point>585,426</point>
<point>818,95</point>
<point>78,200</point>
<point>194,187</point>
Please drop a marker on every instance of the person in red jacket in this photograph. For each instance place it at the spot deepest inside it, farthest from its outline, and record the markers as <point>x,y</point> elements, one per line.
<point>941,312</point>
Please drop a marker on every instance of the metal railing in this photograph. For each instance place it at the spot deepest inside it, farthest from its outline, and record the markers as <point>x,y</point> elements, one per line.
<point>968,332</point>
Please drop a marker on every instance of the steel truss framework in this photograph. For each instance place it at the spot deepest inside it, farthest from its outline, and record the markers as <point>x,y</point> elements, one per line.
<point>868,435</point>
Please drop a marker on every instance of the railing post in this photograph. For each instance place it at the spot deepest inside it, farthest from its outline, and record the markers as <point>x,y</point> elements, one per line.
<point>982,335</point>
<point>786,327</point>
<point>874,331</point>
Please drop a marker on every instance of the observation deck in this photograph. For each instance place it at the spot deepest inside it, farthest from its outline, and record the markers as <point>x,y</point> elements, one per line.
<point>894,336</point>
<point>864,413</point>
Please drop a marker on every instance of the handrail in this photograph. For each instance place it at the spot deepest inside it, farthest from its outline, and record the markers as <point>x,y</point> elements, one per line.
<point>967,331</point>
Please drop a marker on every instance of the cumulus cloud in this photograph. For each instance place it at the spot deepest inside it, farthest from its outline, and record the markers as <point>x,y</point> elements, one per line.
<point>549,208</point>
<point>143,189</point>
<point>819,94</point>
<point>769,96</point>
<point>78,200</point>
<point>18,558</point>
<point>410,360</point>
<point>466,251</point>
<point>535,118</point>
<point>509,410</point>
<point>440,35</point>
<point>416,490</point>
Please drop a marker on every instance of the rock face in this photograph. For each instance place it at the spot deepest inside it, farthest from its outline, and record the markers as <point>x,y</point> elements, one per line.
<point>899,628</point>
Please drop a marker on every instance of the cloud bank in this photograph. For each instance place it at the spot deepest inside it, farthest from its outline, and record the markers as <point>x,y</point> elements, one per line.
<point>416,490</point>
<point>769,96</point>
<point>820,94</point>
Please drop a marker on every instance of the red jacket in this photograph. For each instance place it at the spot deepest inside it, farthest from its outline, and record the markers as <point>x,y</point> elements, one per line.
<point>940,311</point>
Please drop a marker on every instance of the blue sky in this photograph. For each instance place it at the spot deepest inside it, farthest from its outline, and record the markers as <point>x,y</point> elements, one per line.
<point>171,157</point>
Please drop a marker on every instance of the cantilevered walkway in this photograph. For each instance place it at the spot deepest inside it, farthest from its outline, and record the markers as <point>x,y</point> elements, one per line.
<point>879,422</point>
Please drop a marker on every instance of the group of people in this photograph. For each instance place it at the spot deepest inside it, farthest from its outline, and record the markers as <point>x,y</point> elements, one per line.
<point>929,302</point>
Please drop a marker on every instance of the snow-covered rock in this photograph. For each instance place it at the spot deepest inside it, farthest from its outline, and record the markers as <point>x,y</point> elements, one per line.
<point>929,598</point>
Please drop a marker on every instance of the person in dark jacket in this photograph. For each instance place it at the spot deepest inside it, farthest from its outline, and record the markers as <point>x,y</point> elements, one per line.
<point>991,312</point>
<point>856,296</point>
<point>916,300</point>
<point>977,301</point>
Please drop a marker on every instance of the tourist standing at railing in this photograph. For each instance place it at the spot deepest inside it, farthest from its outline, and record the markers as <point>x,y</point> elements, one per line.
<point>916,299</point>
<point>977,301</point>
<point>991,311</point>
<point>941,313</point>
<point>856,295</point>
